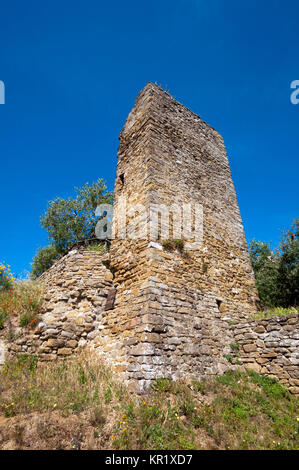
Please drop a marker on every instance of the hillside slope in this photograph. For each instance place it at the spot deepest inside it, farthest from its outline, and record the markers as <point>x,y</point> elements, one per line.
<point>79,404</point>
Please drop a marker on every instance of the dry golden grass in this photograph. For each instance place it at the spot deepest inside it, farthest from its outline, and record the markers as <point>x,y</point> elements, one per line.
<point>80,403</point>
<point>21,303</point>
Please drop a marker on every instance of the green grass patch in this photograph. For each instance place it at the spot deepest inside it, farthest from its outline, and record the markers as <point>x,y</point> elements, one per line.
<point>237,410</point>
<point>275,312</point>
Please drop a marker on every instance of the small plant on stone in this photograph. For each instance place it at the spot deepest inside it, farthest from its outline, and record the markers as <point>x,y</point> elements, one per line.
<point>178,244</point>
<point>229,358</point>
<point>175,245</point>
<point>100,247</point>
<point>235,347</point>
<point>233,357</point>
<point>167,245</point>
<point>205,267</point>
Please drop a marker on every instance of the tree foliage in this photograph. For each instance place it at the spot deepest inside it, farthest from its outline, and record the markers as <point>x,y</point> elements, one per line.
<point>44,259</point>
<point>68,221</point>
<point>277,271</point>
<point>288,267</point>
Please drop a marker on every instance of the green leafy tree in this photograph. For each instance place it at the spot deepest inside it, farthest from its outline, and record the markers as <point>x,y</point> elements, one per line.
<point>44,259</point>
<point>68,221</point>
<point>277,272</point>
<point>288,267</point>
<point>265,265</point>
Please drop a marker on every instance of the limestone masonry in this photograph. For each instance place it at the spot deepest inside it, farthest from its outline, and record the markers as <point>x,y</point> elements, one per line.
<point>148,307</point>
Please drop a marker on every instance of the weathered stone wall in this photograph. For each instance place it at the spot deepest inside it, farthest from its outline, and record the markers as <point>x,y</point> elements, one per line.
<point>188,163</point>
<point>172,312</point>
<point>145,345</point>
<point>75,292</point>
<point>270,347</point>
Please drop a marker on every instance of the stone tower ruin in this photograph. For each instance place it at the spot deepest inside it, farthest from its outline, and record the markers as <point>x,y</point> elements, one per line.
<point>176,288</point>
<point>176,297</point>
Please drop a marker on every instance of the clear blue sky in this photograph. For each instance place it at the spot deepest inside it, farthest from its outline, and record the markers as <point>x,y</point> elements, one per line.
<point>72,70</point>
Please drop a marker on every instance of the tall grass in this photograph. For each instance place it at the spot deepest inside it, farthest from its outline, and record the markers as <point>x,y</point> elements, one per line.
<point>238,410</point>
<point>21,302</point>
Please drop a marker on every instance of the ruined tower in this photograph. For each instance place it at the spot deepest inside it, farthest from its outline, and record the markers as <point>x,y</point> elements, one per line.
<point>176,296</point>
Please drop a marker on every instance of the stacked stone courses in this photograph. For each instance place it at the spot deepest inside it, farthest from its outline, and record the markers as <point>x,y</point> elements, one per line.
<point>176,312</point>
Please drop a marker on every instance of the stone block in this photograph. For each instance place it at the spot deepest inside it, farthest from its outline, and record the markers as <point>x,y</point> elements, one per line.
<point>249,347</point>
<point>64,351</point>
